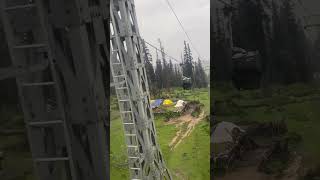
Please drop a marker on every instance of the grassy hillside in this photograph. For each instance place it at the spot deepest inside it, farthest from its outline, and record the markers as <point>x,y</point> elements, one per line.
<point>189,160</point>
<point>297,104</point>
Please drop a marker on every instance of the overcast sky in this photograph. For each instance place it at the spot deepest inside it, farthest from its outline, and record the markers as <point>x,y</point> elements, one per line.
<point>156,20</point>
<point>312,7</point>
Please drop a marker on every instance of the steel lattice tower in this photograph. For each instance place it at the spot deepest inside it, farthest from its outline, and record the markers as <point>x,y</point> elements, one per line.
<point>59,52</point>
<point>129,76</point>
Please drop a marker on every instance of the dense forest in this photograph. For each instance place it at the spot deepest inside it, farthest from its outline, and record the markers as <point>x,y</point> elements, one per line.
<point>166,74</point>
<point>265,74</point>
<point>8,89</point>
<point>273,28</point>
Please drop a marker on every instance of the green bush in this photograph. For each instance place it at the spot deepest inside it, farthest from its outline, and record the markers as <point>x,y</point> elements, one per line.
<point>275,166</point>
<point>294,139</point>
<point>227,108</point>
<point>170,114</point>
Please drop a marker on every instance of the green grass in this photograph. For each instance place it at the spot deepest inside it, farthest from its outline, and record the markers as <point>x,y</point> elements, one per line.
<point>17,163</point>
<point>190,159</point>
<point>118,159</point>
<point>298,104</point>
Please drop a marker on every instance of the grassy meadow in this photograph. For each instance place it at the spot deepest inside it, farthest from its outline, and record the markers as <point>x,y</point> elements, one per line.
<point>189,160</point>
<point>298,105</point>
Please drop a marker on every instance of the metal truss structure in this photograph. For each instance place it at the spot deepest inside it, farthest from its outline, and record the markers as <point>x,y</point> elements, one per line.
<point>129,76</point>
<point>60,56</point>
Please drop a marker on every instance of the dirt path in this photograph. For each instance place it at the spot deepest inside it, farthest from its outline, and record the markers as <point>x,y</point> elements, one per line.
<point>180,175</point>
<point>186,124</point>
<point>292,172</point>
<point>251,173</point>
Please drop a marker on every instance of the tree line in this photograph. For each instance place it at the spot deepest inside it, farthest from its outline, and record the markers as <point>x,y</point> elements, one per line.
<point>166,75</point>
<point>8,87</point>
<point>271,27</point>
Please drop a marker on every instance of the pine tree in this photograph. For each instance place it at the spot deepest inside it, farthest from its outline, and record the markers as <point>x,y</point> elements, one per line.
<point>316,54</point>
<point>187,61</point>
<point>170,74</point>
<point>221,40</point>
<point>149,67</point>
<point>164,67</point>
<point>158,72</point>
<point>176,76</point>
<point>197,76</point>
<point>293,46</point>
<point>8,90</point>
<point>203,77</point>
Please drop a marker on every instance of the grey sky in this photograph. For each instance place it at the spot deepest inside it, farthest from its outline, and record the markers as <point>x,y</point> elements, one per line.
<point>312,7</point>
<point>156,20</point>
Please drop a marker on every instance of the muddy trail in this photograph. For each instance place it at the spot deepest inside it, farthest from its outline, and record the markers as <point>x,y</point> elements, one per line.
<point>255,163</point>
<point>251,172</point>
<point>185,123</point>
<point>247,168</point>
